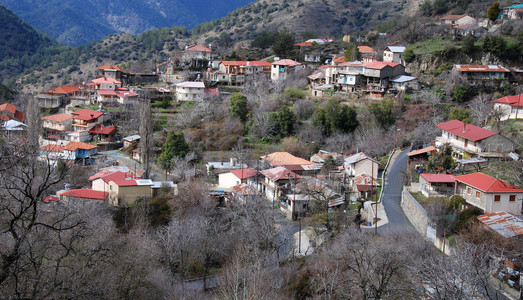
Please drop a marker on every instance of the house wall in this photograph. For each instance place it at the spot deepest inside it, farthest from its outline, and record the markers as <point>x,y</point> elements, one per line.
<point>99,185</point>
<point>365,166</point>
<point>486,200</point>
<point>496,143</point>
<point>189,94</point>
<point>466,20</point>
<point>127,194</point>
<point>228,180</point>
<point>389,56</point>
<point>61,126</point>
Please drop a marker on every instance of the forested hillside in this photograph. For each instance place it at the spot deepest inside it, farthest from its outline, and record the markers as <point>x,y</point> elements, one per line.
<point>81,22</point>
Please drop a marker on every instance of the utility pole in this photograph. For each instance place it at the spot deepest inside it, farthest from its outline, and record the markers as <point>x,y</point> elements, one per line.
<point>372,197</point>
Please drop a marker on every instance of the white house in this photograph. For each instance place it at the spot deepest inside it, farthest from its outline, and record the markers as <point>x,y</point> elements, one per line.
<point>458,20</point>
<point>402,82</point>
<point>394,54</point>
<point>282,68</point>
<point>489,194</point>
<point>190,91</point>
<point>360,163</point>
<point>510,107</point>
<point>437,185</point>
<point>236,177</point>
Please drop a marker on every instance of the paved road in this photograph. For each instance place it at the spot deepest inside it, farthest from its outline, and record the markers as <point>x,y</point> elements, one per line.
<point>392,195</point>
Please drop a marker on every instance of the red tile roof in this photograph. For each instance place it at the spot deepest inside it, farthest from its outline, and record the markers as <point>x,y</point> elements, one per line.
<point>340,59</point>
<point>53,148</point>
<point>304,44</point>
<point>380,65</point>
<point>468,131</point>
<point>64,90</point>
<point>284,158</point>
<point>438,178</point>
<point>480,68</point>
<point>365,49</point>
<point>85,193</point>
<point>105,80</point>
<point>511,100</point>
<point>109,67</point>
<point>58,117</point>
<point>452,17</point>
<point>51,198</point>
<point>87,115</point>
<point>244,173</point>
<point>113,169</point>
<point>8,107</point>
<point>198,48</point>
<point>100,129</point>
<point>259,63</point>
<point>73,146</point>
<point>279,173</point>
<point>487,183</point>
<point>286,62</point>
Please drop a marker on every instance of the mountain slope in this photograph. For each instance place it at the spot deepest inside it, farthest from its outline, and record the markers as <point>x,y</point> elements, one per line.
<point>81,22</point>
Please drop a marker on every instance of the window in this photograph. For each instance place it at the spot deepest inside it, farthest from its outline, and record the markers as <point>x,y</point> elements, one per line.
<point>512,198</point>
<point>497,198</point>
<point>478,195</point>
<point>469,191</point>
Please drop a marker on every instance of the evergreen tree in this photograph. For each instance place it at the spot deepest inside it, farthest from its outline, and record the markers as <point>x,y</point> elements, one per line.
<point>238,106</point>
<point>174,145</point>
<point>284,120</point>
<point>336,117</point>
<point>493,11</point>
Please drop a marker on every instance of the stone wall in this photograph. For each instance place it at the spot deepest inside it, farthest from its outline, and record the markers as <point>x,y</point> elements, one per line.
<point>416,214</point>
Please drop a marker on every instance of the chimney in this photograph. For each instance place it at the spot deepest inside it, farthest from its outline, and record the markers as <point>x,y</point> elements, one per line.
<point>464,127</point>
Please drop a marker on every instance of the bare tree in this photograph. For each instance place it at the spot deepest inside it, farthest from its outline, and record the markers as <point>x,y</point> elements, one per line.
<point>481,108</point>
<point>339,142</point>
<point>34,122</point>
<point>183,167</point>
<point>146,135</point>
<point>262,127</point>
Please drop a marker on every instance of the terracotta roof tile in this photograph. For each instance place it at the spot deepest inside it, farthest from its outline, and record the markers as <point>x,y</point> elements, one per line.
<point>100,129</point>
<point>64,90</point>
<point>73,146</point>
<point>244,173</point>
<point>85,193</point>
<point>487,183</point>
<point>198,48</point>
<point>58,117</point>
<point>438,178</point>
<point>279,173</point>
<point>284,158</point>
<point>468,131</point>
<point>86,115</point>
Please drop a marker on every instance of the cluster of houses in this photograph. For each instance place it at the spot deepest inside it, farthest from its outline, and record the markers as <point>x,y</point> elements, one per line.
<point>471,147</point>
<point>292,183</point>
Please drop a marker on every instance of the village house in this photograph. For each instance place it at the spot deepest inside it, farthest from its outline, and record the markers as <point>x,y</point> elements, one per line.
<point>360,163</point>
<point>378,75</point>
<point>295,205</point>
<point>159,187</point>
<point>323,155</point>
<point>365,185</point>
<point>394,54</point>
<point>244,192</point>
<point>286,159</point>
<point>489,194</point>
<point>224,166</point>
<point>510,107</point>
<point>81,195</point>
<point>470,30</point>
<point>190,91</point>
<point>420,157</point>
<point>196,55</point>
<point>239,72</point>
<point>237,177</point>
<point>10,112</point>
<point>101,133</point>
<point>131,141</point>
<point>57,97</point>
<point>80,152</point>
<point>276,183</point>
<point>458,20</point>
<point>57,126</point>
<point>367,54</point>
<point>480,73</point>
<point>467,140</point>
<point>114,72</point>
<point>404,82</point>
<point>512,12</point>
<point>282,68</point>
<point>346,76</point>
<point>83,121</point>
<point>437,185</point>
<point>100,181</point>
<point>109,90</point>
<point>125,192</point>
<point>14,129</point>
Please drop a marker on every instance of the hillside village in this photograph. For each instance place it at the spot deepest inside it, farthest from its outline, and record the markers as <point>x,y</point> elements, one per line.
<point>327,138</point>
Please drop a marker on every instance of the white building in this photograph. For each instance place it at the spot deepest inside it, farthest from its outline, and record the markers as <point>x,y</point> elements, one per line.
<point>282,68</point>
<point>394,54</point>
<point>190,91</point>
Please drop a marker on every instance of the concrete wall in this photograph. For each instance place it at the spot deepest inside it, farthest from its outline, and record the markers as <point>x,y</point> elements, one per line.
<point>419,218</point>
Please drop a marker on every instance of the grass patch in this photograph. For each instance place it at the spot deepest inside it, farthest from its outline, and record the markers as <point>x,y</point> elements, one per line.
<point>432,45</point>
<point>420,197</point>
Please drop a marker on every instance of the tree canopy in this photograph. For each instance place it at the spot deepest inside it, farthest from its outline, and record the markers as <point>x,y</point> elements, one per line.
<point>336,117</point>
<point>174,145</point>
<point>238,106</point>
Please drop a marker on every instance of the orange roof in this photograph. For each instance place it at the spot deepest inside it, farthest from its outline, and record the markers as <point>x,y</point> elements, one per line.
<point>511,100</point>
<point>100,129</point>
<point>109,67</point>
<point>53,148</point>
<point>64,90</point>
<point>58,117</point>
<point>421,151</point>
<point>340,60</point>
<point>480,68</point>
<point>380,65</point>
<point>198,48</point>
<point>260,63</point>
<point>284,158</point>
<point>73,146</point>
<point>304,44</point>
<point>438,178</point>
<point>105,80</point>
<point>365,49</point>
<point>503,223</point>
<point>286,62</point>
<point>8,107</point>
<point>487,183</point>
<point>244,173</point>
<point>86,115</point>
